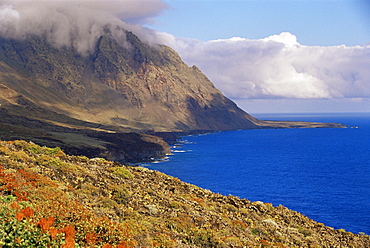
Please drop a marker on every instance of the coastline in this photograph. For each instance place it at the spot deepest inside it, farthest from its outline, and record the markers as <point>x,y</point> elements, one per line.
<point>316,157</point>
<point>138,207</point>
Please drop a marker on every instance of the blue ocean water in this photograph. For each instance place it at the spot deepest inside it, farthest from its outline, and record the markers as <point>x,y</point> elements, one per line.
<point>322,173</point>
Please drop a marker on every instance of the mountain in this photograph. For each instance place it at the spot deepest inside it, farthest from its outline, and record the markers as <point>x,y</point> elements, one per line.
<point>50,199</point>
<point>134,85</point>
<point>55,96</point>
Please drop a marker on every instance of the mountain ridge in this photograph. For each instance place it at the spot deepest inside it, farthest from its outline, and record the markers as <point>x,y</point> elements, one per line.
<point>120,87</point>
<point>153,84</point>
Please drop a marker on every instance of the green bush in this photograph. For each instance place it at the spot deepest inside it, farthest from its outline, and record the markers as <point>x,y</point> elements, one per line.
<point>120,194</point>
<point>18,233</point>
<point>122,172</point>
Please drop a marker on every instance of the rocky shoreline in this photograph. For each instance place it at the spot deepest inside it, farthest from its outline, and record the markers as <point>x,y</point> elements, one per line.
<point>94,140</point>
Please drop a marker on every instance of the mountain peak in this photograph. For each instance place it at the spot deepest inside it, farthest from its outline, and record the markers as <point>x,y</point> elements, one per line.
<point>128,81</point>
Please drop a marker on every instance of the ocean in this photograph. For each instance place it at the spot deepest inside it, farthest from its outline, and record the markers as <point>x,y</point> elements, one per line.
<point>322,173</point>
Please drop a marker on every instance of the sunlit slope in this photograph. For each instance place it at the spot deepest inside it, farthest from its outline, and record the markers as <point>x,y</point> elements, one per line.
<point>51,199</point>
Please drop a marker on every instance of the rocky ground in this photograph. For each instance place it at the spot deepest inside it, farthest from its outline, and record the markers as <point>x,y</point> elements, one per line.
<point>74,200</point>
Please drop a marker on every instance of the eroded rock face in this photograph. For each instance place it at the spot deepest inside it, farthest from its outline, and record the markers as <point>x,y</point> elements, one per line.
<point>132,85</point>
<point>95,105</point>
<point>86,104</point>
<point>157,82</point>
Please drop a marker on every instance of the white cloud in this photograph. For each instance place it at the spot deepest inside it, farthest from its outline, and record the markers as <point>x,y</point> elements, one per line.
<point>279,67</point>
<point>76,23</point>
<point>276,67</point>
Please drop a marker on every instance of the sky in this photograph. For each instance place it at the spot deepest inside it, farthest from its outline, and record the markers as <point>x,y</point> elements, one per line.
<point>314,22</point>
<point>317,59</point>
<point>269,56</point>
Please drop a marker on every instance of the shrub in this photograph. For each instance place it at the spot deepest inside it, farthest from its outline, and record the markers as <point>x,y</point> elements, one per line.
<point>4,150</point>
<point>121,172</point>
<point>163,240</point>
<point>176,205</point>
<point>202,238</point>
<point>304,231</point>
<point>120,194</point>
<point>232,241</point>
<point>21,144</point>
<point>54,151</point>
<point>15,228</point>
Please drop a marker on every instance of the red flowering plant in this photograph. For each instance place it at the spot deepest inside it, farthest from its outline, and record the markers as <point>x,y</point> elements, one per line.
<point>38,211</point>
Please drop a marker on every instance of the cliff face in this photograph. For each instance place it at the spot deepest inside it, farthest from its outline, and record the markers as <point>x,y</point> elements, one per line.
<point>131,85</point>
<point>96,104</point>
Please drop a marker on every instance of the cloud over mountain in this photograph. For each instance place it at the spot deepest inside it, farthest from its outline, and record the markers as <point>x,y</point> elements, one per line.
<point>279,67</point>
<point>76,23</point>
<point>276,67</point>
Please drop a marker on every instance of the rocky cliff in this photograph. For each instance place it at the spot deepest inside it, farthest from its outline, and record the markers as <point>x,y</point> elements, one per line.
<point>58,97</point>
<point>132,85</point>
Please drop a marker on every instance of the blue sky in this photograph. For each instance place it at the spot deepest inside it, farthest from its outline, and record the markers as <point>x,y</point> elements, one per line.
<point>314,22</point>
<point>317,74</point>
<point>268,56</point>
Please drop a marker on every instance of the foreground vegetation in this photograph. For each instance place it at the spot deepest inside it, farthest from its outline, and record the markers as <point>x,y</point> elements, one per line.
<point>50,199</point>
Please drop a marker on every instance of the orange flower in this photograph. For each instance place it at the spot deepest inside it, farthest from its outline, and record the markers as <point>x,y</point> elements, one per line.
<point>19,216</point>
<point>53,232</point>
<point>107,246</point>
<point>91,238</point>
<point>28,212</point>
<point>70,243</point>
<point>69,231</point>
<point>24,213</point>
<point>121,245</point>
<point>14,205</point>
<point>45,224</point>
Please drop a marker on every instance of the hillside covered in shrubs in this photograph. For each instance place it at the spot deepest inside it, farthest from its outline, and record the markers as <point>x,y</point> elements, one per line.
<point>50,199</point>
